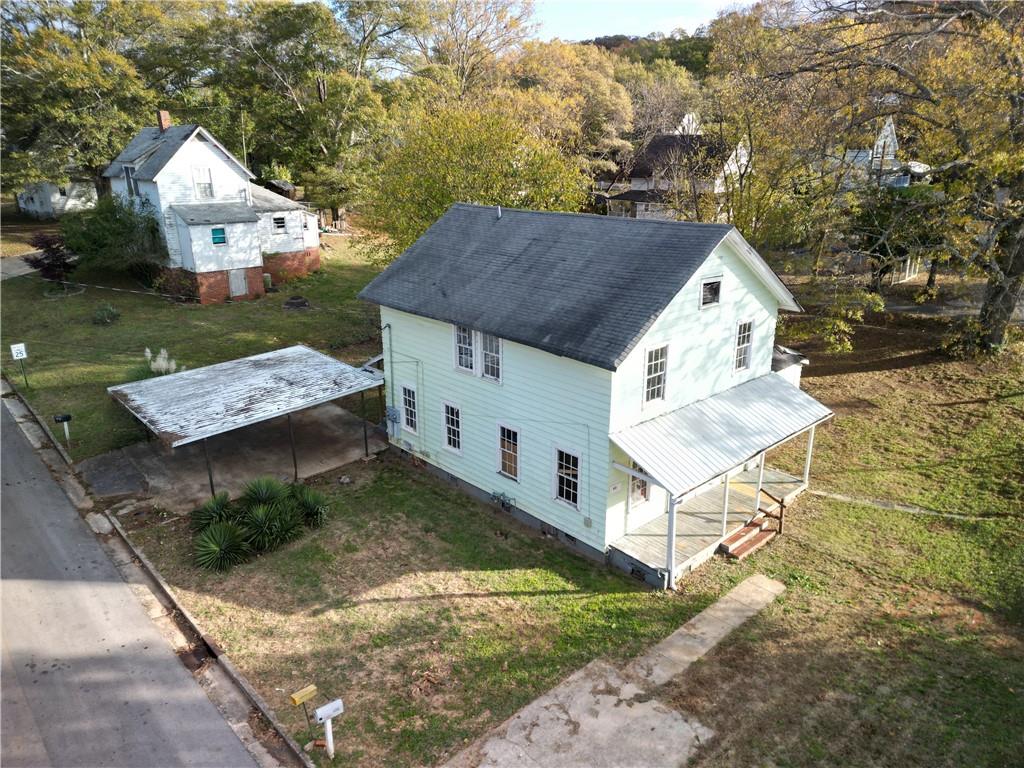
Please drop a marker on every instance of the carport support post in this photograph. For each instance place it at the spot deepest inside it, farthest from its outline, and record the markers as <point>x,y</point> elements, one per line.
<point>807,461</point>
<point>362,409</point>
<point>295,458</point>
<point>760,484</point>
<point>209,467</point>
<point>670,553</point>
<point>725,505</point>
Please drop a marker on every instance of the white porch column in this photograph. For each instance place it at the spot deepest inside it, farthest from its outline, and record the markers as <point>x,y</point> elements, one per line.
<point>807,461</point>
<point>760,484</point>
<point>670,553</point>
<point>725,504</point>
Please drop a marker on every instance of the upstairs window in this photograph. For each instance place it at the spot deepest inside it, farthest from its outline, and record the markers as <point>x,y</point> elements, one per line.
<point>62,191</point>
<point>567,477</point>
<point>130,182</point>
<point>710,292</point>
<point>639,489</point>
<point>744,338</point>
<point>409,414</point>
<point>508,452</point>
<point>464,347</point>
<point>202,178</point>
<point>279,224</point>
<point>491,357</point>
<point>219,235</point>
<point>452,427</point>
<point>654,381</point>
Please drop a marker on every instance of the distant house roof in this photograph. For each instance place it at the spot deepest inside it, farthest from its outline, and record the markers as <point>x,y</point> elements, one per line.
<point>667,148</point>
<point>580,286</point>
<point>151,149</point>
<point>640,196</point>
<point>264,200</point>
<point>215,212</point>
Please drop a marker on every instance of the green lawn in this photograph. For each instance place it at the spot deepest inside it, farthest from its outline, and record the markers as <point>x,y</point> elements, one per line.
<point>16,229</point>
<point>72,360</point>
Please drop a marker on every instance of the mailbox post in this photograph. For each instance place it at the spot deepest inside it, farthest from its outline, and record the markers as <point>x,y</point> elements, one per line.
<point>325,715</point>
<point>65,419</point>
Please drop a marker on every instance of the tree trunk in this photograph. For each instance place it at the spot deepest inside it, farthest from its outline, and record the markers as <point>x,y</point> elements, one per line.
<point>1001,299</point>
<point>933,271</point>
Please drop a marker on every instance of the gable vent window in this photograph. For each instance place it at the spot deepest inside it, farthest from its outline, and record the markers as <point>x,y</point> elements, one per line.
<point>203,180</point>
<point>508,452</point>
<point>464,347</point>
<point>567,477</point>
<point>491,357</point>
<point>639,489</point>
<point>654,383</point>
<point>130,182</point>
<point>710,292</point>
<point>744,338</point>
<point>409,414</point>
<point>279,224</point>
<point>452,427</point>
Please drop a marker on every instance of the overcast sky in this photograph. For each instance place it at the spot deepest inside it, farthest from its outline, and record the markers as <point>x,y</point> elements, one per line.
<point>587,19</point>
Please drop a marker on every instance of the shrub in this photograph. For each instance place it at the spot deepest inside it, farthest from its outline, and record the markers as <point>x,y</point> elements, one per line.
<point>220,546</point>
<point>107,314</point>
<point>262,527</point>
<point>178,283</point>
<point>117,234</point>
<point>216,510</point>
<point>54,262</point>
<point>264,490</point>
<point>311,504</point>
<point>290,522</point>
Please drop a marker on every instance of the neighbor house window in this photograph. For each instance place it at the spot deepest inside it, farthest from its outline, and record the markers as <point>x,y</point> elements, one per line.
<point>567,477</point>
<point>130,183</point>
<point>639,490</point>
<point>62,191</point>
<point>744,335</point>
<point>279,224</point>
<point>491,356</point>
<point>452,427</point>
<point>710,292</point>
<point>508,452</point>
<point>203,181</point>
<point>305,222</point>
<point>219,235</point>
<point>464,347</point>
<point>654,381</point>
<point>409,414</point>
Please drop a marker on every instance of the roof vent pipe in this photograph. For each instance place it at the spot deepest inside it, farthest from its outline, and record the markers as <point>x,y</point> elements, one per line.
<point>499,211</point>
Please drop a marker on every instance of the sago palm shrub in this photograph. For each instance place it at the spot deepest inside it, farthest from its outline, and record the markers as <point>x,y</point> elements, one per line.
<point>220,546</point>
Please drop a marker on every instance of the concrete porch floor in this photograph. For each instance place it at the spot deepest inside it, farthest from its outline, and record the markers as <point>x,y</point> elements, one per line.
<point>699,520</point>
<point>326,437</point>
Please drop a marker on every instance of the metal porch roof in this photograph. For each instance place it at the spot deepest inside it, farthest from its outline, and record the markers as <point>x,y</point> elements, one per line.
<point>687,447</point>
<point>181,408</point>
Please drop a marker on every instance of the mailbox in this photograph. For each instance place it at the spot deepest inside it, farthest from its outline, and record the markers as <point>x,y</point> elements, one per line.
<point>329,711</point>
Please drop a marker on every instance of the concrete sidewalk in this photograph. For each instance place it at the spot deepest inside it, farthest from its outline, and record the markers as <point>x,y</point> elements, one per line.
<point>604,717</point>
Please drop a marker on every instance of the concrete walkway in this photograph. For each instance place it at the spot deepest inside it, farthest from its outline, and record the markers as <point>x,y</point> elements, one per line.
<point>15,266</point>
<point>604,717</point>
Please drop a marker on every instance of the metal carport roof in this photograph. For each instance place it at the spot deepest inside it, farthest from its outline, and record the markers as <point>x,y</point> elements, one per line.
<point>687,447</point>
<point>181,408</point>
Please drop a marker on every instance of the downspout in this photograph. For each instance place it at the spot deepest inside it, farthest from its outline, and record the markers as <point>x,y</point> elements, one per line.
<point>391,369</point>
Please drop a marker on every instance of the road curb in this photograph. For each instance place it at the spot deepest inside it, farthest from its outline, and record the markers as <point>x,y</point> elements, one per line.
<point>39,420</point>
<point>215,650</point>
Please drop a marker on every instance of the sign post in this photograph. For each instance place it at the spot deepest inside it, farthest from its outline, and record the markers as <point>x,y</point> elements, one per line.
<point>65,419</point>
<point>20,353</point>
<point>325,715</point>
<point>301,696</point>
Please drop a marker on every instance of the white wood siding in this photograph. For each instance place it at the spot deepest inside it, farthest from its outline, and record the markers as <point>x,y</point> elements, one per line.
<point>175,178</point>
<point>45,200</point>
<point>241,250</point>
<point>292,239</point>
<point>553,402</point>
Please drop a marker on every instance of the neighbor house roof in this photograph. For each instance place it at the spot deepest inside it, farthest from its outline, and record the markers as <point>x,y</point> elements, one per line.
<point>576,285</point>
<point>215,213</point>
<point>151,149</point>
<point>710,153</point>
<point>264,200</point>
<point>640,196</point>
<point>687,447</point>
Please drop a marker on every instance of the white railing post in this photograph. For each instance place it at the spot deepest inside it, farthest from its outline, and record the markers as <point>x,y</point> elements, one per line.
<point>807,461</point>
<point>670,553</point>
<point>760,483</point>
<point>725,505</point>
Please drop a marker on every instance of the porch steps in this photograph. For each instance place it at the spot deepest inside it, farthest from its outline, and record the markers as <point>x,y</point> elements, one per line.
<point>748,539</point>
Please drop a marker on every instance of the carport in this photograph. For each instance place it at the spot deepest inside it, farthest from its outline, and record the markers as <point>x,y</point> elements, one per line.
<point>195,405</point>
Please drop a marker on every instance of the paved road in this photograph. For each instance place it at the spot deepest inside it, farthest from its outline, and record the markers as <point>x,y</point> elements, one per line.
<point>13,266</point>
<point>87,680</point>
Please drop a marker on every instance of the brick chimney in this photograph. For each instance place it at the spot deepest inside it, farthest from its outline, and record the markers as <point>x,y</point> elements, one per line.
<point>163,119</point>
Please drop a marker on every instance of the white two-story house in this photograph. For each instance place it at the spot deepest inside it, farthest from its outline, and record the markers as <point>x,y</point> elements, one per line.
<point>606,379</point>
<point>217,224</point>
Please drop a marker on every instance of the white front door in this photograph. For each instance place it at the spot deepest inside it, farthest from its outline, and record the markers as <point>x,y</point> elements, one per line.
<point>236,282</point>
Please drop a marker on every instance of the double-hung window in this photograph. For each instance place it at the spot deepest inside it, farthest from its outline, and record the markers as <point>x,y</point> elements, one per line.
<point>130,181</point>
<point>710,292</point>
<point>654,379</point>
<point>491,356</point>
<point>464,348</point>
<point>202,178</point>
<point>508,452</point>
<point>744,339</point>
<point>219,235</point>
<point>410,415</point>
<point>639,489</point>
<point>452,427</point>
<point>567,477</point>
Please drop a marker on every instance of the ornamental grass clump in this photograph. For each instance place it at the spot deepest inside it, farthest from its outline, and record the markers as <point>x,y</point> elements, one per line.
<point>216,510</point>
<point>311,504</point>
<point>264,490</point>
<point>220,546</point>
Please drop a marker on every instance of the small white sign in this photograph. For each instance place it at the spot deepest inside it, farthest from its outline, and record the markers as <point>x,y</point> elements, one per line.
<point>329,710</point>
<point>18,352</point>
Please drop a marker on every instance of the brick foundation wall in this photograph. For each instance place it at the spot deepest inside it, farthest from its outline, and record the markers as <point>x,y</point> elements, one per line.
<point>213,286</point>
<point>285,266</point>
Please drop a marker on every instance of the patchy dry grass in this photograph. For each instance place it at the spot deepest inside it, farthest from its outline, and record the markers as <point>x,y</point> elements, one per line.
<point>16,229</point>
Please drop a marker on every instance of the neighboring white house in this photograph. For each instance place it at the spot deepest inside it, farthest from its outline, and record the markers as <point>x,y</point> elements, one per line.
<point>597,376</point>
<point>878,165</point>
<point>46,200</point>
<point>217,224</point>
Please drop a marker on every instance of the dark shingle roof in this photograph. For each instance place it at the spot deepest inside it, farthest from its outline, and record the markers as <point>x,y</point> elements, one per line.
<point>710,154</point>
<point>151,149</point>
<point>640,196</point>
<point>577,285</point>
